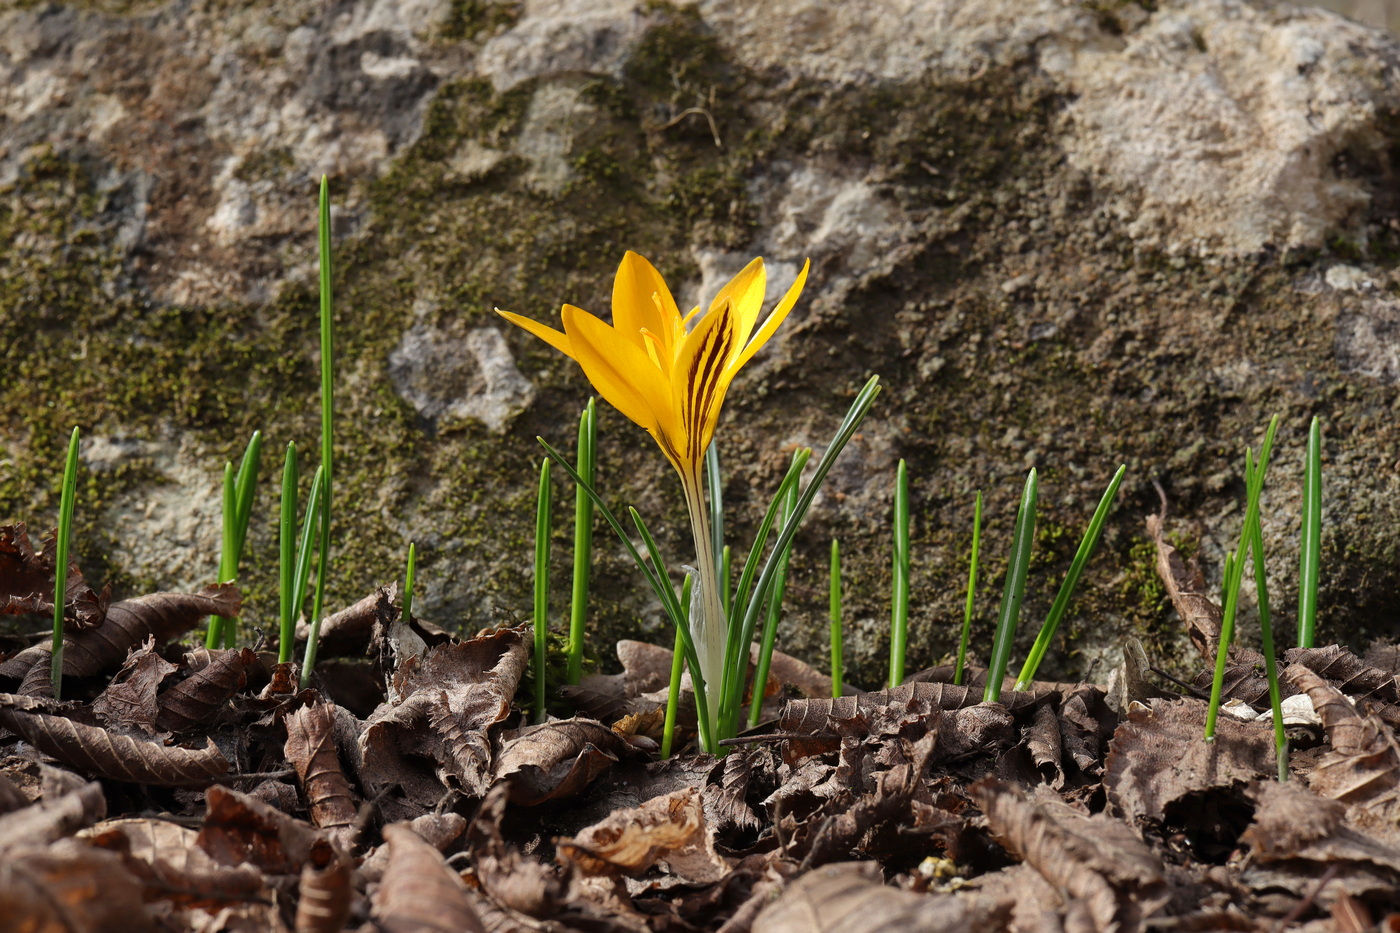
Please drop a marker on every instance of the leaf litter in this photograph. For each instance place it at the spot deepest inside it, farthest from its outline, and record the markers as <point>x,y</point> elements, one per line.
<point>191,789</point>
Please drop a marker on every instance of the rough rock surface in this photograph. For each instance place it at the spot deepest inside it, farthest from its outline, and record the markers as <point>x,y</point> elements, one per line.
<point>1065,234</point>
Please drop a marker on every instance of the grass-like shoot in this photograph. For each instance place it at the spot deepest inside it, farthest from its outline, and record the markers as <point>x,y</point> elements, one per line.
<point>838,663</point>
<point>1310,551</point>
<point>323,549</point>
<point>775,612</point>
<point>673,692</point>
<point>899,594</point>
<point>1081,557</point>
<point>294,553</point>
<point>1014,591</point>
<point>1266,629</point>
<point>971,590</point>
<point>409,574</point>
<point>1234,572</point>
<point>239,488</point>
<point>63,543</point>
<point>583,543</point>
<point>541,614</point>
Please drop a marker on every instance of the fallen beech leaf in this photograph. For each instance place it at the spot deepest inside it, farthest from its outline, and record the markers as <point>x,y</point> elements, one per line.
<point>1370,688</point>
<point>1185,586</point>
<point>1295,835</point>
<point>848,897</point>
<point>348,631</point>
<point>120,757</point>
<point>443,707</point>
<point>727,800</point>
<point>1363,768</point>
<point>1042,743</point>
<point>439,830</point>
<point>238,828</point>
<point>1158,758</point>
<point>129,623</point>
<point>11,797</point>
<point>1097,860</point>
<point>27,581</point>
<point>70,887</point>
<point>509,877</point>
<point>556,759</point>
<point>311,751</point>
<point>214,676</point>
<point>324,892</point>
<point>130,699</point>
<point>670,828</point>
<point>649,725</point>
<point>419,893</point>
<point>52,819</point>
<point>164,855</point>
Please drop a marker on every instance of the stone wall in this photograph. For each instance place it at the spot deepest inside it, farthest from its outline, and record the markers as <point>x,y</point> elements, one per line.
<point>1068,235</point>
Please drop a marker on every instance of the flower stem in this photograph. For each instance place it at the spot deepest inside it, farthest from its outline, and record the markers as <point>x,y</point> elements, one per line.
<point>710,627</point>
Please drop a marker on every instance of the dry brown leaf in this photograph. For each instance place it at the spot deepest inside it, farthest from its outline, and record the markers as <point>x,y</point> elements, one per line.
<point>849,897</point>
<point>510,878</point>
<point>311,750</point>
<point>238,828</point>
<point>11,797</point>
<point>1185,586</point>
<point>214,676</point>
<point>1370,688</point>
<point>651,725</point>
<point>443,708</point>
<point>1363,768</point>
<point>439,830</point>
<point>1158,758</point>
<point>164,855</point>
<point>130,699</point>
<point>1097,860</point>
<point>348,631</point>
<point>419,893</point>
<point>70,887</point>
<point>324,893</point>
<point>53,818</point>
<point>727,801</point>
<point>27,580</point>
<point>556,759</point>
<point>669,829</point>
<point>128,624</point>
<point>119,757</point>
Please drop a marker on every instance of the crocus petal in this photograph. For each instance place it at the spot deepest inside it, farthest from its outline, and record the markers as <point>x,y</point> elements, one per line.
<point>744,295</point>
<point>702,378</point>
<point>549,335</point>
<point>774,319</point>
<point>641,301</point>
<point>622,373</point>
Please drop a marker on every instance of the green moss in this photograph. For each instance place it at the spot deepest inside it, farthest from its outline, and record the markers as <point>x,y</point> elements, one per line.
<point>472,19</point>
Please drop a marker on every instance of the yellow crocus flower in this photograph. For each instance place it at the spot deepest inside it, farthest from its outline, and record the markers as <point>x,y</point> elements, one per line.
<point>669,374</point>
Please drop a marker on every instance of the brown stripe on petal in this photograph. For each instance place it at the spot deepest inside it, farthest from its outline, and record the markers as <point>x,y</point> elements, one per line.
<point>704,377</point>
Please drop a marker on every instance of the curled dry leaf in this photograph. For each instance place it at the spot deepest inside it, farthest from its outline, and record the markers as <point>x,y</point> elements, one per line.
<point>130,699</point>
<point>214,677</point>
<point>510,878</point>
<point>556,759</point>
<point>70,887</point>
<point>324,892</point>
<point>1185,586</point>
<point>727,800</point>
<point>1370,687</point>
<point>128,624</point>
<point>238,828</point>
<point>1363,768</point>
<point>1158,758</point>
<point>311,750</point>
<point>11,797</point>
<point>98,751</point>
<point>173,868</point>
<point>848,897</point>
<point>52,819</point>
<point>669,829</point>
<point>1097,860</point>
<point>27,580</point>
<point>419,893</point>
<point>443,708</point>
<point>1296,838</point>
<point>439,830</point>
<point>348,631</point>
